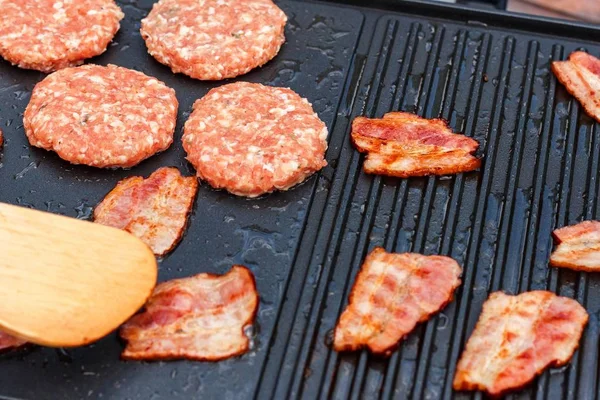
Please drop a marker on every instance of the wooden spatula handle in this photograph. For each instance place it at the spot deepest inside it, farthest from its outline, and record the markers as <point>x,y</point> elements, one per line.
<point>66,282</point>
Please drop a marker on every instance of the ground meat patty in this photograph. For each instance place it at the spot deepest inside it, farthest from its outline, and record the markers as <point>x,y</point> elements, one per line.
<point>101,116</point>
<point>252,139</point>
<point>214,39</point>
<point>51,34</point>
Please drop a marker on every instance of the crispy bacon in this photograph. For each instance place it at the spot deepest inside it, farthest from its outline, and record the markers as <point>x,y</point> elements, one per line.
<point>516,338</point>
<point>199,318</point>
<point>578,247</point>
<point>403,145</point>
<point>8,342</point>
<point>391,294</point>
<point>154,209</point>
<point>581,77</point>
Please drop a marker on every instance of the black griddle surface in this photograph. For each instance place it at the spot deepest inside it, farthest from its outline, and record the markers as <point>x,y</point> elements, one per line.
<point>487,74</point>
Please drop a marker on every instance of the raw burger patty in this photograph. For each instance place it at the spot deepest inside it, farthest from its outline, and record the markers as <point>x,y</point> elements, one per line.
<point>252,139</point>
<point>52,34</point>
<point>214,39</point>
<point>101,116</point>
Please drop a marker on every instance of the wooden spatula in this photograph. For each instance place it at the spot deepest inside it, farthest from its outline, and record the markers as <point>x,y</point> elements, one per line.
<point>66,282</point>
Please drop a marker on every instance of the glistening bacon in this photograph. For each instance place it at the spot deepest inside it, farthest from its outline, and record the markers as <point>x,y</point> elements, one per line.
<point>199,318</point>
<point>154,209</point>
<point>578,247</point>
<point>391,294</point>
<point>516,338</point>
<point>403,145</point>
<point>580,75</point>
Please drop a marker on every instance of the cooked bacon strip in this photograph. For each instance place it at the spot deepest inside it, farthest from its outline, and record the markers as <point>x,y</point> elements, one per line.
<point>391,294</point>
<point>199,318</point>
<point>578,247</point>
<point>1,138</point>
<point>581,77</point>
<point>403,145</point>
<point>154,209</point>
<point>8,342</point>
<point>516,338</point>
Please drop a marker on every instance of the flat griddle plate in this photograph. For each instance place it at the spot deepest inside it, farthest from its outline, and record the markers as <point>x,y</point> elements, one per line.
<point>487,74</point>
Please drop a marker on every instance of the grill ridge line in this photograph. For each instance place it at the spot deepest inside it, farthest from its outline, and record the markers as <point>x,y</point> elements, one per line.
<point>333,145</point>
<point>579,383</point>
<point>360,370</point>
<point>424,107</point>
<point>592,335</point>
<point>534,225</point>
<point>450,225</point>
<point>589,352</point>
<point>449,97</point>
<point>545,225</point>
<point>424,98</point>
<point>450,220</point>
<point>327,376</point>
<point>341,207</point>
<point>464,292</point>
<point>331,357</point>
<point>459,184</point>
<point>332,194</point>
<point>551,126</point>
<point>425,205</point>
<point>576,367</point>
<point>572,366</point>
<point>430,332</point>
<point>311,333</point>
<point>498,277</point>
<point>518,143</point>
<point>400,197</point>
<point>546,382</point>
<point>545,137</point>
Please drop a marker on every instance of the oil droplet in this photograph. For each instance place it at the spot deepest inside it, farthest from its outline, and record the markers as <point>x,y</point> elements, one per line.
<point>559,370</point>
<point>84,211</point>
<point>32,165</point>
<point>329,338</point>
<point>64,355</point>
<point>251,332</point>
<point>442,322</point>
